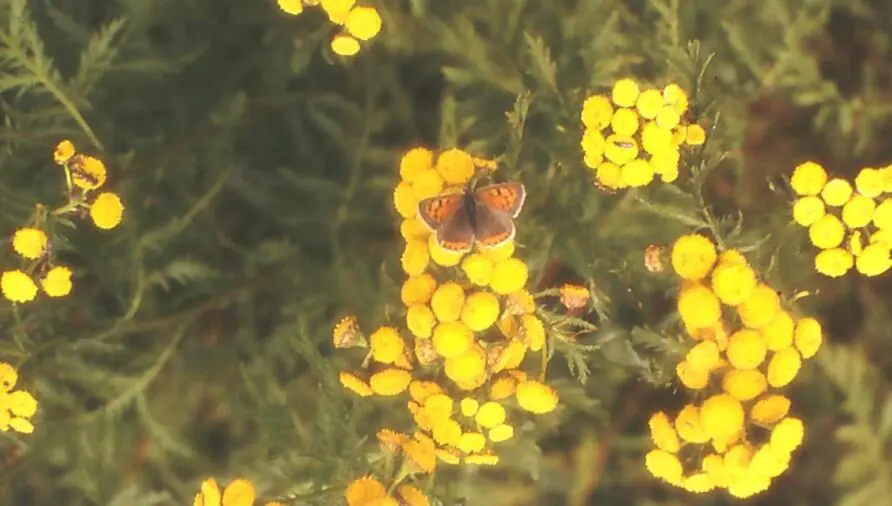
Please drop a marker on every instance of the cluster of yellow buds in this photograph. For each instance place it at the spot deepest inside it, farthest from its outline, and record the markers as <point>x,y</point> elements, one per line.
<point>16,407</point>
<point>368,491</point>
<point>634,134</point>
<point>39,270</point>
<point>357,23</point>
<point>745,347</point>
<point>470,323</point>
<point>239,492</point>
<point>851,226</point>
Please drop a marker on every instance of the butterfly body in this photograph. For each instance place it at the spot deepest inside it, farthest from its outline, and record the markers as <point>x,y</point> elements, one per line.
<point>484,215</point>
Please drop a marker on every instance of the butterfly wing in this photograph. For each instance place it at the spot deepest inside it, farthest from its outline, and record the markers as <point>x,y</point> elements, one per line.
<point>507,198</point>
<point>436,211</point>
<point>456,234</point>
<point>494,227</point>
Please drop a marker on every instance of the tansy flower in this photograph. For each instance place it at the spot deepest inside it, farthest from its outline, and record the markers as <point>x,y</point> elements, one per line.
<point>363,22</point>
<point>30,242</point>
<point>411,496</point>
<point>293,7</point>
<point>365,491</point>
<point>447,302</point>
<point>355,384</point>
<point>63,152</point>
<point>106,210</point>
<point>783,367</point>
<point>808,178</point>
<point>663,433</point>
<point>808,210</point>
<point>733,283</point>
<point>722,417</point>
<point>480,311</point>
<point>836,192</point>
<point>16,407</point>
<point>389,382</point>
<point>574,297</point>
<point>455,166</point>
<point>664,465</point>
<point>18,286</point>
<point>769,409</point>
<point>420,320</point>
<point>834,262</point>
<point>239,492</point>
<point>870,182</point>
<point>698,306</point>
<point>386,345</point>
<point>87,172</point>
<point>693,256</point>
<point>536,397</point>
<point>478,268</point>
<point>344,45</point>
<point>57,282</point>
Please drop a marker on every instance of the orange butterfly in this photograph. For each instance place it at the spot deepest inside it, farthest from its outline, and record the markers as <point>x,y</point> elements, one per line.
<point>484,215</point>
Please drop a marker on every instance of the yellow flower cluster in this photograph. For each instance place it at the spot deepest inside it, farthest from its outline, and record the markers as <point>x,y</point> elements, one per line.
<point>851,226</point>
<point>635,134</point>
<point>16,407</point>
<point>745,347</point>
<point>357,23</point>
<point>470,323</point>
<point>368,491</point>
<point>238,493</point>
<point>83,175</point>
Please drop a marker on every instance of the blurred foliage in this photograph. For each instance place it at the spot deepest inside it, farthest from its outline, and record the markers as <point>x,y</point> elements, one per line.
<point>257,167</point>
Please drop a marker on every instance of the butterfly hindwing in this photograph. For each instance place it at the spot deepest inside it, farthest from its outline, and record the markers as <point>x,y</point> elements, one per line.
<point>456,233</point>
<point>507,198</point>
<point>494,227</point>
<point>436,211</point>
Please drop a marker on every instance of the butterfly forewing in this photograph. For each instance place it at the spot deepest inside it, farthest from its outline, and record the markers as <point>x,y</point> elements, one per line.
<point>503,197</point>
<point>456,233</point>
<point>436,211</point>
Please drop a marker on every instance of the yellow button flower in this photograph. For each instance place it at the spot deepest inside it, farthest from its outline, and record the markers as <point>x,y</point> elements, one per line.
<point>705,356</point>
<point>471,442</point>
<point>674,95</point>
<point>609,175</point>
<point>415,257</point>
<point>870,182</point>
<point>688,425</point>
<point>501,252</point>
<point>834,262</point>
<point>722,417</point>
<point>760,308</point>
<point>663,433</point>
<point>57,281</point>
<point>655,140</point>
<point>769,409</point>
<point>593,142</point>
<point>87,172</point>
<point>469,406</point>
<point>410,496</point>
<point>480,311</point>
<point>770,461</point>
<point>344,45</point>
<point>501,433</point>
<point>733,283</point>
<point>414,161</point>
<point>827,232</point>
<point>620,149</point>
<point>649,103</point>
<point>746,349</point>
<point>744,385</point>
<point>788,434</point>
<point>455,166</point>
<point>664,465</point>
<point>467,370</point>
<point>363,22</point>
<point>107,210</point>
<point>596,112</point>
<point>365,491</point>
<point>414,229</point>
<point>386,345</point>
<point>442,256</point>
<point>779,333</point>
<point>783,367</point>
<point>502,388</point>
<point>668,117</point>
<point>447,432</point>
<point>404,200</point>
<point>63,152</point>
<point>692,377</point>
<point>536,397</point>
<point>836,192</point>
<point>452,339</point>
<point>882,215</point>
<point>637,173</point>
<point>490,415</point>
<point>418,289</point>
<point>874,260</point>
<point>807,210</point>
<point>808,337</point>
<point>355,384</point>
<point>427,183</point>
<point>698,306</point>
<point>695,135</point>
<point>532,332</point>
<point>624,122</point>
<point>447,301</point>
<point>625,93</point>
<point>858,211</point>
<point>478,268</point>
<point>808,178</point>
<point>30,242</point>
<point>293,7</point>
<point>18,286</point>
<point>693,256</point>
<point>337,9</point>
<point>390,382</point>
<point>509,276</point>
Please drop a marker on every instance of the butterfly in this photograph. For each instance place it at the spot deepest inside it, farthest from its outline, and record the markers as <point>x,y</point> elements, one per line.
<point>484,215</point>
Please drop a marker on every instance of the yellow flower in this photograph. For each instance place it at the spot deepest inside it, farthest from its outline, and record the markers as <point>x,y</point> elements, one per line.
<point>344,45</point>
<point>760,308</point>
<point>836,192</point>
<point>389,440</point>
<point>733,283</point>
<point>808,337</point>
<point>8,377</point>
<point>404,200</point>
<point>649,103</point>
<point>609,175</point>
<point>57,282</point>
<point>390,381</point>
<point>783,367</point>
<point>87,172</point>
<point>874,260</point>
<point>447,301</point>
<point>467,368</point>
<point>239,492</point>
<point>63,152</point>
<point>637,173</point>
<point>293,7</point>
<point>363,22</point>
<point>418,289</point>
<point>787,435</point>
<point>809,178</point>
<point>663,433</point>
<point>502,387</point>
<point>411,496</point>
<point>107,210</point>
<point>828,232</point>
<point>770,461</point>
<point>668,117</point>
<point>415,258</point>
<point>592,143</point>
<point>769,409</point>
<point>478,268</point>
<point>337,10</point>
<point>693,256</point>
<point>508,276</point>
<point>597,112</point>
<point>480,311</point>
<point>536,397</point>
<point>664,465</point>
<point>704,356</point>
<point>692,377</point>
<point>688,425</point>
<point>420,320</point>
<point>807,210</point>
<point>858,211</point>
<point>674,95</point>
<point>386,345</point>
<point>455,166</point>
<point>744,385</point>
<point>882,215</point>
<point>722,417</point>
<point>870,182</point>
<point>427,183</point>
<point>471,442</point>
<point>624,122</point>
<point>532,332</point>
<point>698,306</point>
<point>442,256</point>
<point>30,242</point>
<point>452,339</point>
<point>18,286</point>
<point>414,161</point>
<point>446,432</point>
<point>779,333</point>
<point>625,93</point>
<point>834,262</point>
<point>501,433</point>
<point>620,149</point>
<point>500,253</point>
<point>365,491</point>
<point>695,135</point>
<point>469,406</point>
<point>746,349</point>
<point>655,140</point>
<point>355,384</point>
<point>421,454</point>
